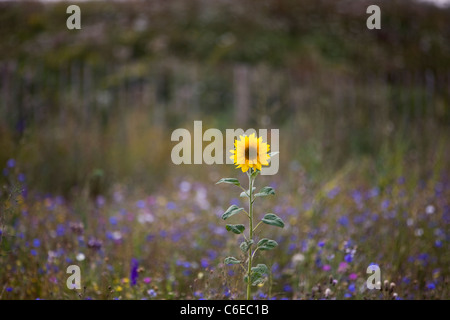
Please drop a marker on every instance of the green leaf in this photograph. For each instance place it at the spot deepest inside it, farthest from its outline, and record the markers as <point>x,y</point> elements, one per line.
<point>255,173</point>
<point>257,274</point>
<point>246,245</point>
<point>265,192</point>
<point>261,268</point>
<point>235,228</point>
<point>230,181</point>
<point>273,220</point>
<point>231,260</point>
<point>256,278</point>
<point>231,211</point>
<point>267,244</point>
<point>246,193</point>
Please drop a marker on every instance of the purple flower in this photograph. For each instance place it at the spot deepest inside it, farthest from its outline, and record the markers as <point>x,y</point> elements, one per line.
<point>21,177</point>
<point>348,258</point>
<point>342,266</point>
<point>11,163</point>
<point>36,243</point>
<point>204,263</point>
<point>134,271</point>
<point>147,280</point>
<point>113,221</point>
<point>333,192</point>
<point>140,204</point>
<point>287,288</point>
<point>234,201</point>
<point>351,287</point>
<point>152,293</point>
<point>431,286</point>
<point>171,206</point>
<point>343,221</point>
<point>100,201</point>
<point>60,230</point>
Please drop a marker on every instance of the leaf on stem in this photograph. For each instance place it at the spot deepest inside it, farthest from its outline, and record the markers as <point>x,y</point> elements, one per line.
<point>257,274</point>
<point>245,246</point>
<point>273,220</point>
<point>235,228</point>
<point>266,191</point>
<point>267,244</point>
<point>230,181</point>
<point>231,260</point>
<point>254,174</point>
<point>231,211</point>
<point>246,193</point>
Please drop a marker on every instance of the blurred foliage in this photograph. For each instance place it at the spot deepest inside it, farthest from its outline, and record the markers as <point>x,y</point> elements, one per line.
<point>106,97</point>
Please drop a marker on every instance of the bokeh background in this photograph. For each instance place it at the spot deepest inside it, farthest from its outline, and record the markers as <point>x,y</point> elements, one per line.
<point>86,118</point>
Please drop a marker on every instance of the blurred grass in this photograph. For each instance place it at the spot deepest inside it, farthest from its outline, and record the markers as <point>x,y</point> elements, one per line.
<point>88,115</point>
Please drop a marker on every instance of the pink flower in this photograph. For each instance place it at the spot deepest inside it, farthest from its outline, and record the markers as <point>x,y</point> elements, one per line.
<point>342,266</point>
<point>353,276</point>
<point>147,280</point>
<point>326,267</point>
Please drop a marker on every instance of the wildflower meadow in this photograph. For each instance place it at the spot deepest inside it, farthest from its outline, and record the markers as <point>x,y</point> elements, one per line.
<point>92,206</point>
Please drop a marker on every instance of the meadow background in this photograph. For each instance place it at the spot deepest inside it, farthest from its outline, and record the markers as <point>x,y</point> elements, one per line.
<point>86,118</point>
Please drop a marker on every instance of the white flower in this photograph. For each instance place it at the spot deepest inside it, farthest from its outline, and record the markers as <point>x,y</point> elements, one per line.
<point>80,257</point>
<point>429,209</point>
<point>116,235</point>
<point>297,258</point>
<point>146,217</point>
<point>185,186</point>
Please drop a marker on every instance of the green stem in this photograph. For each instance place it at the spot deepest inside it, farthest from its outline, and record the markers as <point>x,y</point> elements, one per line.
<point>250,217</point>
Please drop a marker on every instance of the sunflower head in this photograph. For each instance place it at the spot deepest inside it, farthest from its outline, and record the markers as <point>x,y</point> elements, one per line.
<point>250,152</point>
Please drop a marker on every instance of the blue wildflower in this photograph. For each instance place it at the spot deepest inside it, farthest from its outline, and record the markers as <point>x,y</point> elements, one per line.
<point>235,201</point>
<point>171,206</point>
<point>140,204</point>
<point>287,288</point>
<point>113,221</point>
<point>204,263</point>
<point>60,230</point>
<point>431,286</point>
<point>134,271</point>
<point>343,221</point>
<point>36,243</point>
<point>21,177</point>
<point>11,163</point>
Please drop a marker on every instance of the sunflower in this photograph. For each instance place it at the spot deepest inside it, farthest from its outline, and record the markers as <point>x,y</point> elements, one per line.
<point>250,152</point>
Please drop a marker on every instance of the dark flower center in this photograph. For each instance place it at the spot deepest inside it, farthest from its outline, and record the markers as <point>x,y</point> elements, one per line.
<point>251,151</point>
